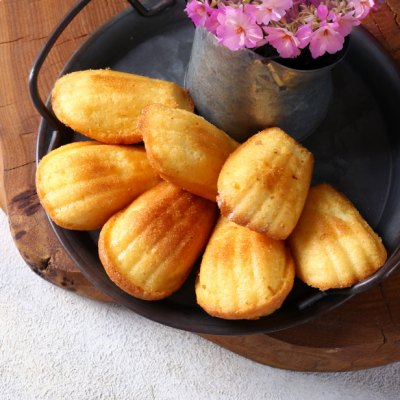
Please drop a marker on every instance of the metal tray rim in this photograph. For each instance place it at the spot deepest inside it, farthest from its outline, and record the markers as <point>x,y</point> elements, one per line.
<point>249,327</point>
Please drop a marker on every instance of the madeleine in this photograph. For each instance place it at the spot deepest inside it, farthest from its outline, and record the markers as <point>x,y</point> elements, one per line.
<point>264,184</point>
<point>149,248</point>
<point>185,149</point>
<point>81,185</point>
<point>243,274</point>
<point>332,245</point>
<point>105,105</point>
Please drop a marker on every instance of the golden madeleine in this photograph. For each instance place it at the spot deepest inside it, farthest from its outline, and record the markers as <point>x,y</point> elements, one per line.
<point>81,185</point>
<point>105,105</point>
<point>185,149</point>
<point>332,245</point>
<point>149,248</point>
<point>243,274</point>
<point>263,185</point>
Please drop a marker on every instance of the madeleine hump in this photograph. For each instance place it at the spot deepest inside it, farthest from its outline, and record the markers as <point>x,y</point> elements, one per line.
<point>332,245</point>
<point>82,184</point>
<point>243,274</point>
<point>185,149</point>
<point>149,248</point>
<point>263,185</point>
<point>105,105</point>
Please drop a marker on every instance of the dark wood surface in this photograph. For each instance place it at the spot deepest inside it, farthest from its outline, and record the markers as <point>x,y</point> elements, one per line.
<point>363,333</point>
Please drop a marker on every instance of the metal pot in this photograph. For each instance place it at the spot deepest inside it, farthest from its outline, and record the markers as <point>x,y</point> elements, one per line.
<point>242,92</point>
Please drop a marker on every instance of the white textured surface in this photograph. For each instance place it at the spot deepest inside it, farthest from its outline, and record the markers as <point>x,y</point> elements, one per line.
<point>56,345</point>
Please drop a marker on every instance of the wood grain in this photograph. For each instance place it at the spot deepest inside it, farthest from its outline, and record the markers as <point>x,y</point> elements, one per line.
<point>362,333</point>
<point>384,24</point>
<point>24,26</point>
<point>2,192</point>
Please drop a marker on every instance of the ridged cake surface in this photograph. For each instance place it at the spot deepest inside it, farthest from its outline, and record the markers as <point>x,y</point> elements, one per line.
<point>149,248</point>
<point>105,105</point>
<point>185,149</point>
<point>332,245</point>
<point>263,185</point>
<point>81,185</point>
<point>243,274</point>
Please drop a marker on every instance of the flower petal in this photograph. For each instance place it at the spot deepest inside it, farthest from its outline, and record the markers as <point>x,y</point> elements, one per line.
<point>322,12</point>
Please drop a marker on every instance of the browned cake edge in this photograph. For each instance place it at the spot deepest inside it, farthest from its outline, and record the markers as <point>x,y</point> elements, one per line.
<point>226,209</point>
<point>39,187</point>
<point>261,310</point>
<point>197,189</point>
<point>188,99</point>
<point>112,269</point>
<point>344,284</point>
<point>42,193</point>
<point>133,137</point>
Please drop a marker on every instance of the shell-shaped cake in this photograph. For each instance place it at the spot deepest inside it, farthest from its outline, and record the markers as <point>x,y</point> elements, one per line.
<point>332,245</point>
<point>149,248</point>
<point>81,185</point>
<point>185,149</point>
<point>243,274</point>
<point>105,105</point>
<point>264,184</point>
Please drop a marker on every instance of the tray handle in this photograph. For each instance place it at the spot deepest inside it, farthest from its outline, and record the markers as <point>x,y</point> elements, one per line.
<point>47,46</point>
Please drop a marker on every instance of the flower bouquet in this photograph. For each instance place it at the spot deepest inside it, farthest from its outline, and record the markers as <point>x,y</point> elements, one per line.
<point>281,28</point>
<point>259,63</point>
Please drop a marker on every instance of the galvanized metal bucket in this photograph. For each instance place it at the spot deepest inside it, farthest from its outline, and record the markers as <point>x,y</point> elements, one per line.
<point>242,92</point>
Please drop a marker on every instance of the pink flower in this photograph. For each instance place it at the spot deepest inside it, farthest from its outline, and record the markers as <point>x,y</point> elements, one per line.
<point>362,7</point>
<point>221,16</point>
<point>270,10</point>
<point>239,30</point>
<point>322,12</point>
<point>303,34</point>
<point>326,38</point>
<point>331,16</point>
<point>346,23</point>
<point>212,22</point>
<point>197,12</point>
<point>284,41</point>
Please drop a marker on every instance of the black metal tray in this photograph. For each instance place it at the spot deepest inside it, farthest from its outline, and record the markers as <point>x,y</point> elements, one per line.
<point>356,150</point>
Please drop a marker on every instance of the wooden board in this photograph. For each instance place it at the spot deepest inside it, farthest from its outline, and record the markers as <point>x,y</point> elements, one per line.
<point>363,333</point>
